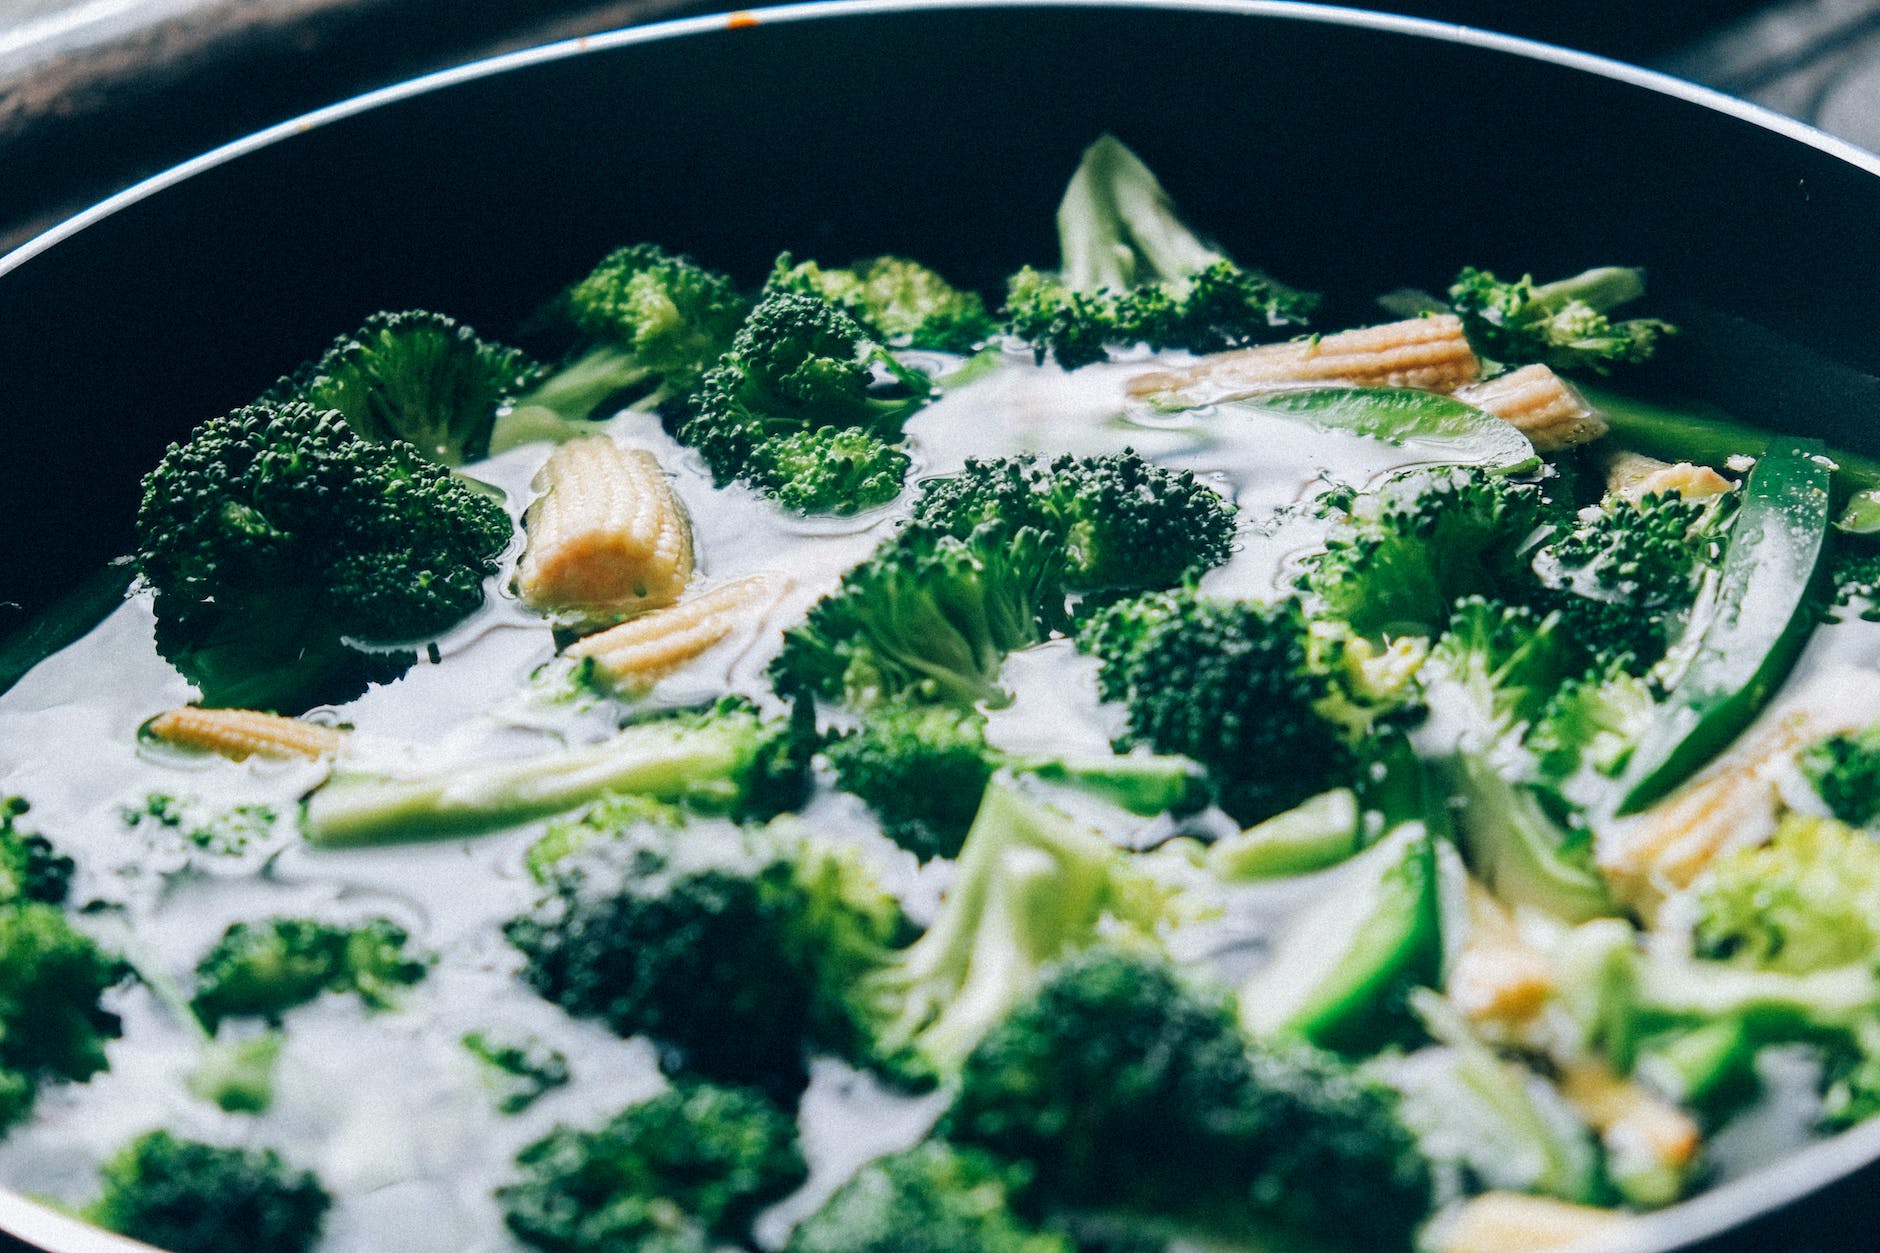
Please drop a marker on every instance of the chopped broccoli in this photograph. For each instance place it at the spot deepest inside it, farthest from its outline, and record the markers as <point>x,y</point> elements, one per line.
<point>1845,772</point>
<point>183,1194</point>
<point>30,868</point>
<point>225,833</point>
<point>520,1072</point>
<point>284,550</point>
<point>1562,324</point>
<point>52,1025</point>
<point>677,1174</point>
<point>799,364</point>
<point>263,970</point>
<point>1807,900</point>
<point>734,954</point>
<point>237,1076</point>
<point>830,469</point>
<point>933,1198</point>
<point>900,302</point>
<point>922,769</point>
<point>1230,684</point>
<point>1125,522</point>
<point>651,321</point>
<point>613,815</point>
<point>1031,886</point>
<point>1406,552</point>
<point>418,377</point>
<point>1124,1089</point>
<point>1132,273</point>
<point>928,617</point>
<point>724,759</point>
<point>1495,669</point>
<point>1584,734</point>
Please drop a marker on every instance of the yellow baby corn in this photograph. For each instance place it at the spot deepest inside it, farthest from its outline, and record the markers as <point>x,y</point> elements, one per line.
<point>1635,477</point>
<point>242,733</point>
<point>607,536</point>
<point>635,655</point>
<point>1497,978</point>
<point>1509,1222</point>
<point>1430,354</point>
<point>1541,404</point>
<point>1632,1120</point>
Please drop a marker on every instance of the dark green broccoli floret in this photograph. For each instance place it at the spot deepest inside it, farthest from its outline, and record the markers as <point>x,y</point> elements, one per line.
<point>724,759</point>
<point>1408,551</point>
<point>922,768</point>
<point>933,1198</point>
<point>1124,1089</point>
<point>280,544</point>
<point>1845,771</point>
<point>418,377</point>
<point>1854,575</point>
<point>901,302</point>
<point>831,469</point>
<point>51,1023</point>
<point>1132,272</point>
<point>225,833</point>
<point>1125,522</point>
<point>30,869</point>
<point>798,364</point>
<point>1230,684</point>
<point>520,1071</point>
<point>683,1171</point>
<point>183,1194</point>
<point>1031,886</point>
<point>263,970</point>
<point>734,954</point>
<point>1562,324</point>
<point>929,617</point>
<point>651,321</point>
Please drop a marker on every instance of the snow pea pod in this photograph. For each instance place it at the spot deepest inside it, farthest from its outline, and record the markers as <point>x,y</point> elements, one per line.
<point>1754,620</point>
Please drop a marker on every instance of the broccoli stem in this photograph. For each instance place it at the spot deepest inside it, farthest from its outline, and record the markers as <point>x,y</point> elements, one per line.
<point>698,766</point>
<point>1517,850</point>
<point>1117,227</point>
<point>1143,784</point>
<point>1602,288</point>
<point>1312,835</point>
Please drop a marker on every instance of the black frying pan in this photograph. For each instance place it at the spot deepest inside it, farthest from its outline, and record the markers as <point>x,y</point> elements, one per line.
<point>1346,152</point>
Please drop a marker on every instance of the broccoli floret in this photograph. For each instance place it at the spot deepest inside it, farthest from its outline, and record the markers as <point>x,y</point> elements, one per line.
<point>281,546</point>
<point>520,1072</point>
<point>1585,733</point>
<point>734,954</point>
<point>831,469</point>
<point>1125,1089</point>
<point>1405,553</point>
<point>724,759</point>
<point>1845,772</point>
<point>1854,575</point>
<point>613,815</point>
<point>798,364</point>
<point>224,833</point>
<point>237,1076</point>
<point>933,1198</point>
<point>1125,522</point>
<point>1494,671</point>
<point>652,322</point>
<point>1562,324</point>
<point>263,970</point>
<point>30,869</point>
<point>922,769</point>
<point>900,302</point>
<point>418,377</point>
<point>183,1194</point>
<point>1807,900</point>
<point>52,1025</point>
<point>684,1171</point>
<point>1132,272</point>
<point>928,617</point>
<point>1031,885</point>
<point>1230,684</point>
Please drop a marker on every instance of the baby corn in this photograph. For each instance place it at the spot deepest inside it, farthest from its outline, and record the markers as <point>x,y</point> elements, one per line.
<point>607,536</point>
<point>1430,354</point>
<point>1509,1222</point>
<point>1650,1143</point>
<point>1635,476</point>
<point>239,734</point>
<point>1541,404</point>
<point>635,655</point>
<point>1497,978</point>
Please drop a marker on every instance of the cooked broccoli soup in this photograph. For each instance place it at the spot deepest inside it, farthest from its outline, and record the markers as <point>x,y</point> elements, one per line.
<point>843,766</point>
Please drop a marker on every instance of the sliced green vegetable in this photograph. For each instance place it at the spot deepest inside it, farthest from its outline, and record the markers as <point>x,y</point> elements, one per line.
<point>1312,835</point>
<point>1339,974</point>
<point>1435,428</point>
<point>70,617</point>
<point>1520,852</point>
<point>1755,618</point>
